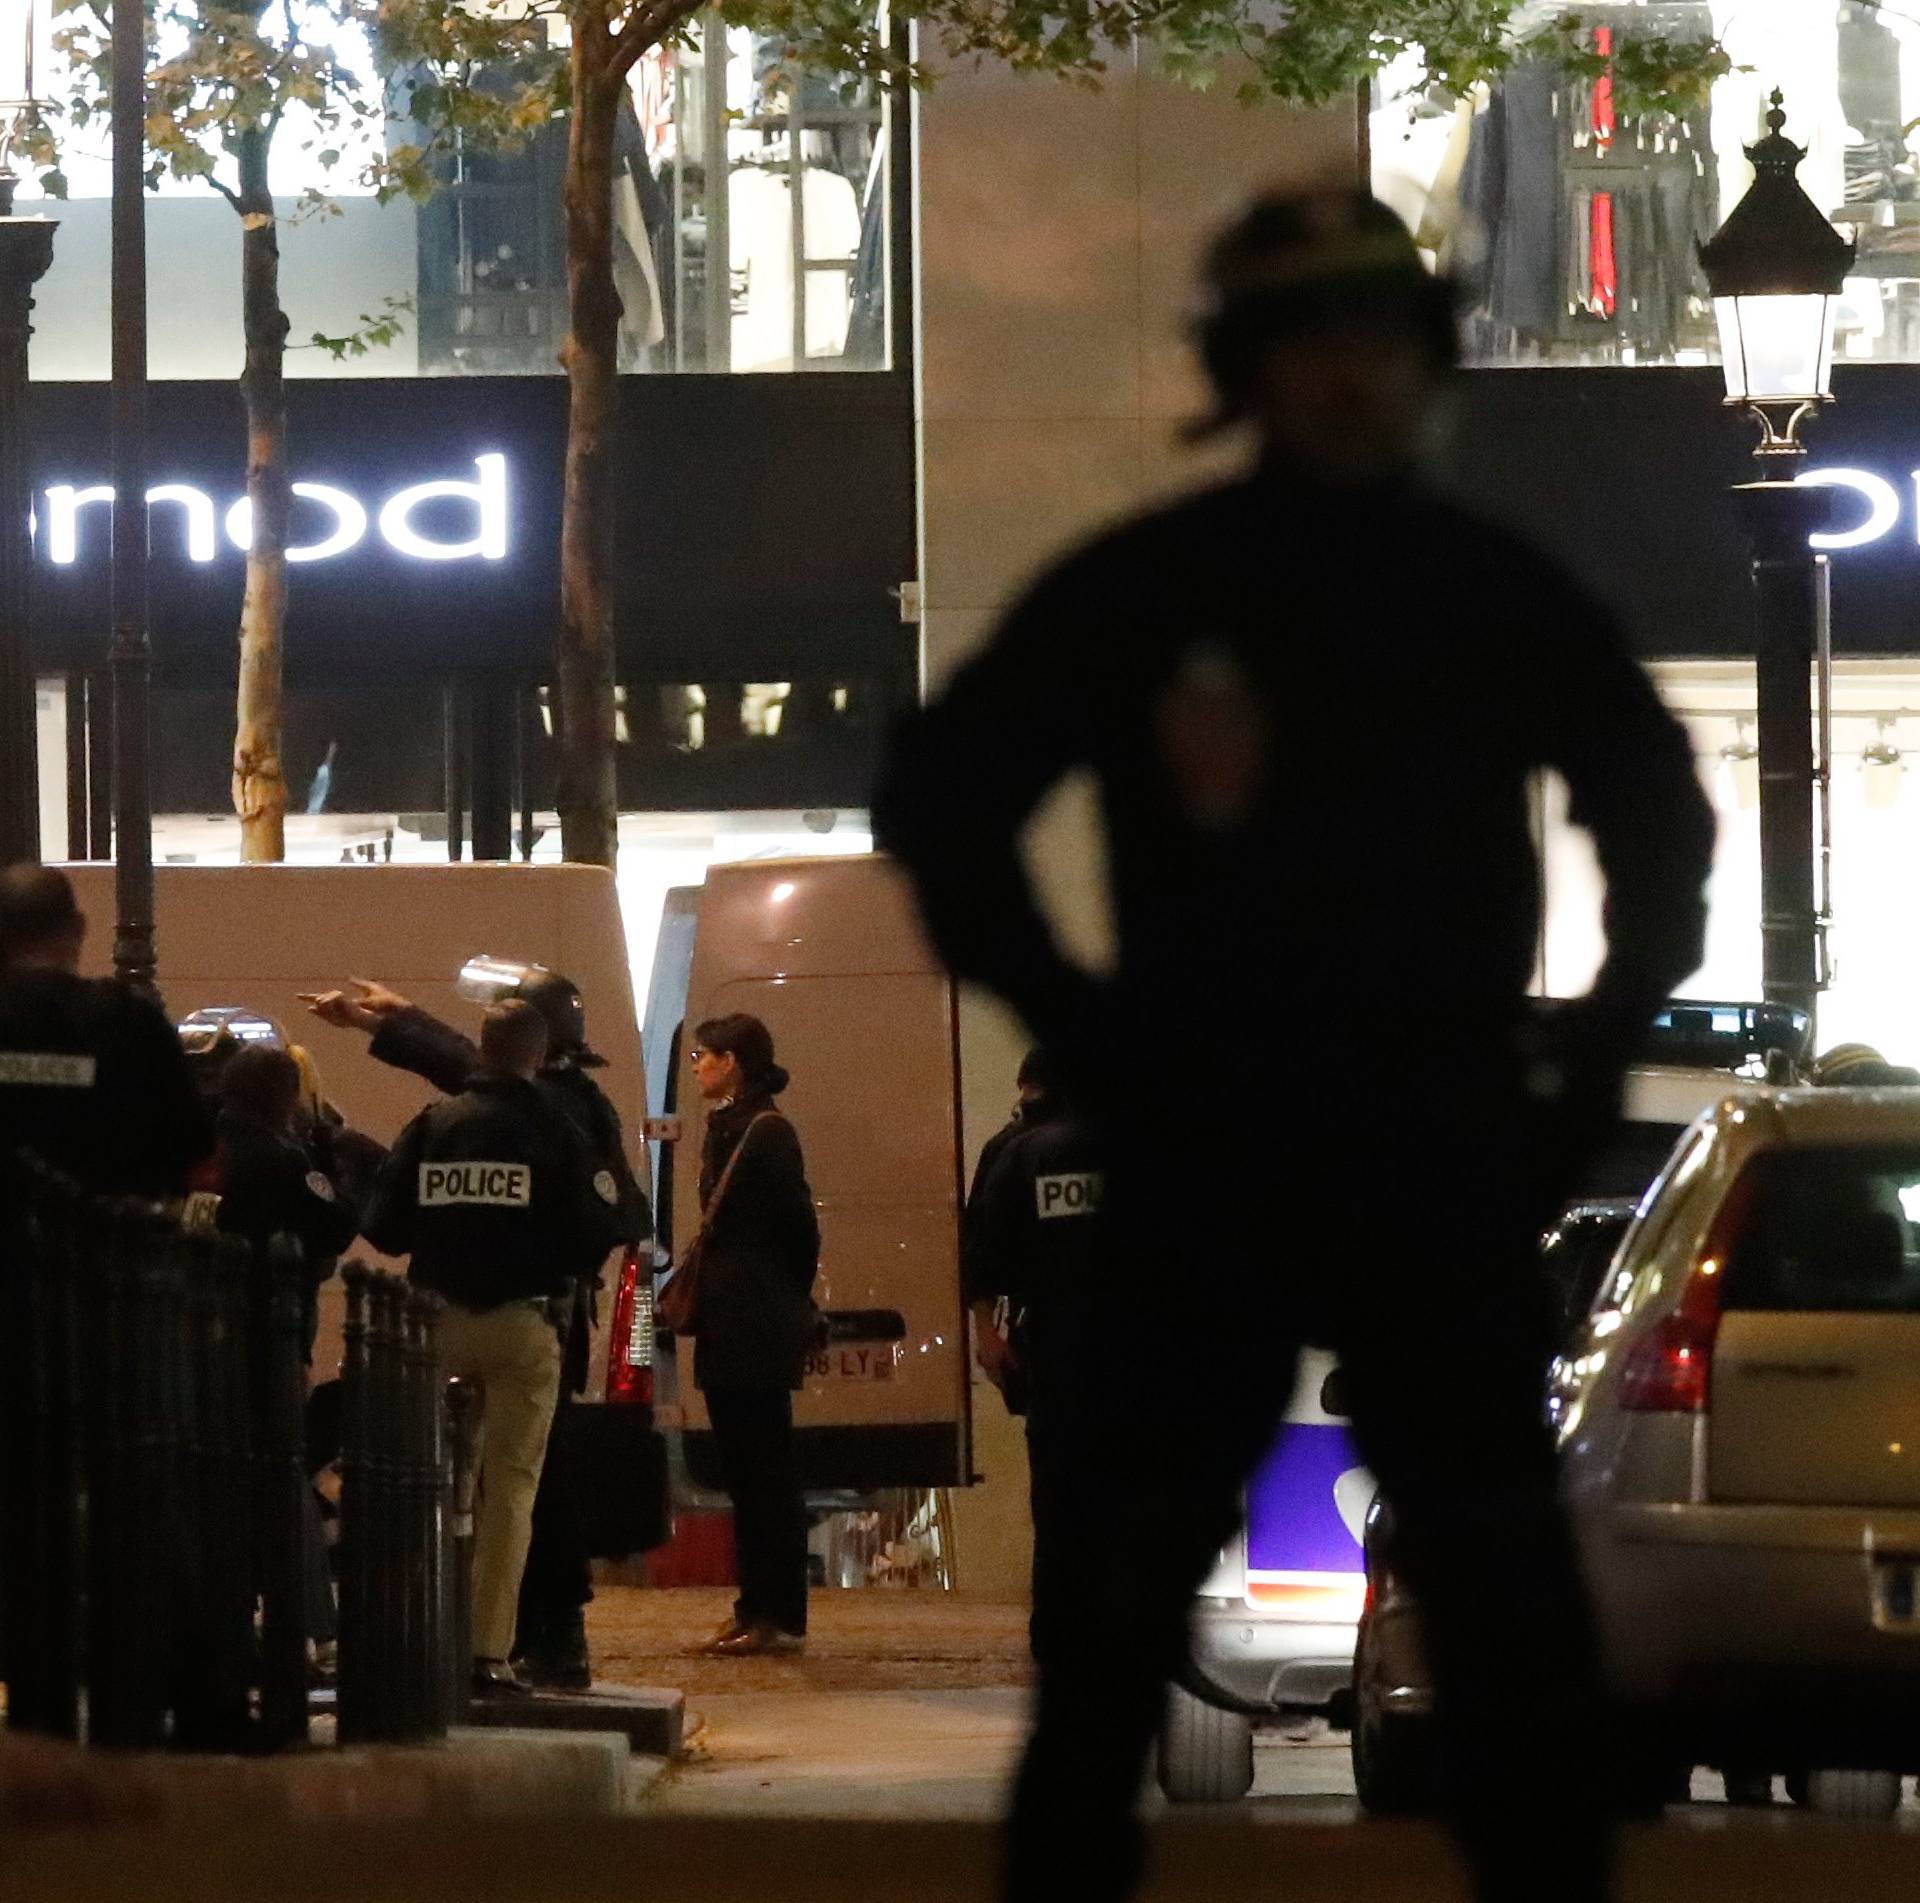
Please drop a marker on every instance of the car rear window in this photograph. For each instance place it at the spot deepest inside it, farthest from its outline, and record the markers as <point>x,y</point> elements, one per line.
<point>1828,1230</point>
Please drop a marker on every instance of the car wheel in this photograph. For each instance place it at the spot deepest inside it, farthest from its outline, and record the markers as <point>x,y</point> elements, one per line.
<point>1393,1767</point>
<point>1868,1796</point>
<point>1206,1754</point>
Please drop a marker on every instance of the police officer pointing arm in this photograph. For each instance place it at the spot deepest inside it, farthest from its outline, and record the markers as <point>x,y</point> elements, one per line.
<point>494,1197</point>
<point>552,1640</point>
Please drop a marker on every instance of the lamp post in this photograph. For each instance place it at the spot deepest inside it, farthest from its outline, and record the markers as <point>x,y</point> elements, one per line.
<point>133,955</point>
<point>1775,268</point>
<point>26,250</point>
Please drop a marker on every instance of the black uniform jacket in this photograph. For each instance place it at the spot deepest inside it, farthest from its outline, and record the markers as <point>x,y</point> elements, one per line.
<point>761,1254</point>
<point>1036,1240</point>
<point>981,1277</point>
<point>416,1040</point>
<point>493,1195</point>
<point>271,1184</point>
<point>93,1080</point>
<point>1313,717</point>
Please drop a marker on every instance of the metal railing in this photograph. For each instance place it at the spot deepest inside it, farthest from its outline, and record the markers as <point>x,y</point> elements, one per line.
<point>154,1501</point>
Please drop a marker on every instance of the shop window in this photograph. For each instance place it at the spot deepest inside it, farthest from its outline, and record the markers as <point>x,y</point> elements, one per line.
<point>1571,224</point>
<point>725,150</point>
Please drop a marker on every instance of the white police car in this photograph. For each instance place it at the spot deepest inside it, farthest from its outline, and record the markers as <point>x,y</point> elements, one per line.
<point>1272,1629</point>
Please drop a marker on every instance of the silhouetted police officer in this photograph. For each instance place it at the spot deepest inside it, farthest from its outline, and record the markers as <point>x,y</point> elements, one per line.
<point>551,1640</point>
<point>1034,1245</point>
<point>500,1206</point>
<point>92,1077</point>
<point>1313,700</point>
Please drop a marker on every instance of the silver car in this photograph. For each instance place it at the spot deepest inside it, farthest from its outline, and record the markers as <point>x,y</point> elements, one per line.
<point>1739,1419</point>
<point>1740,1434</point>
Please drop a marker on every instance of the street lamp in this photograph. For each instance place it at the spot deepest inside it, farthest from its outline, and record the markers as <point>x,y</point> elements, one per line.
<point>1775,269</point>
<point>26,250</point>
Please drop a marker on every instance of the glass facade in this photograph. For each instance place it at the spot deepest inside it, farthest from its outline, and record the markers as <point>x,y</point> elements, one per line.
<point>725,150</point>
<point>1570,223</point>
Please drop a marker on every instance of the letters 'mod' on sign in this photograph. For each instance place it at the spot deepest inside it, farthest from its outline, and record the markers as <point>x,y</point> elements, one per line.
<point>486,497</point>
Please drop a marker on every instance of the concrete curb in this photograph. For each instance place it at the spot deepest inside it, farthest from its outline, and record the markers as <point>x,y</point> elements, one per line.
<point>651,1720</point>
<point>477,1773</point>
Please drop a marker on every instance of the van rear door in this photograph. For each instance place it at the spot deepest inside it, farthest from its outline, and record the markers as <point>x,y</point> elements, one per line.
<point>830,954</point>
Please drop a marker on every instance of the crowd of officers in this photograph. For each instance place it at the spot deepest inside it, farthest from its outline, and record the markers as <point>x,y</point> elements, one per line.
<point>507,1196</point>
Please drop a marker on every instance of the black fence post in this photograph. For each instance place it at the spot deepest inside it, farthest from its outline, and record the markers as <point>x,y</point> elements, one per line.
<point>355,1610</point>
<point>280,1478</point>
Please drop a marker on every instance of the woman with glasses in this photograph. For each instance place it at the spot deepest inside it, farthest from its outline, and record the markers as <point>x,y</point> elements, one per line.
<point>755,1322</point>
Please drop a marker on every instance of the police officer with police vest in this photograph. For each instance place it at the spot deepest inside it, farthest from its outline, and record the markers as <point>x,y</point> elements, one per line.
<point>551,1641</point>
<point>1032,1245</point>
<point>500,1206</point>
<point>92,1077</point>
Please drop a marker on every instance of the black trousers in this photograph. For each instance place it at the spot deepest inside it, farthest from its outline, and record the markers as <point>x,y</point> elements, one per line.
<point>1416,1263</point>
<point>753,1435</point>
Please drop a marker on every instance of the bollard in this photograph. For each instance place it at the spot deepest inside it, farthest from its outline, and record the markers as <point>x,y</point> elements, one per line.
<point>393,1626</point>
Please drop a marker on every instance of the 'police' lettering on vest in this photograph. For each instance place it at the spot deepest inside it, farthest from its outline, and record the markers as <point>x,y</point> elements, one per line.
<point>60,1070</point>
<point>495,1185</point>
<point>1074,1195</point>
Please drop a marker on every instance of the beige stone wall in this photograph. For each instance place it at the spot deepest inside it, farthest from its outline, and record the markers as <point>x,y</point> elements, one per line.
<point>1058,231</point>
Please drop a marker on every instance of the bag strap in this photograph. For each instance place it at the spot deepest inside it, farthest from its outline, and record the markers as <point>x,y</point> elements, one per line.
<point>712,1209</point>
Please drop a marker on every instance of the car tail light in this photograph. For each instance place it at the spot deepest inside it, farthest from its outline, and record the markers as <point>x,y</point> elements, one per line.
<point>1669,1369</point>
<point>630,1339</point>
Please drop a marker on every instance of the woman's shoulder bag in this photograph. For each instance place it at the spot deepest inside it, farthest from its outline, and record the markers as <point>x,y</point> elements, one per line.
<point>679,1305</point>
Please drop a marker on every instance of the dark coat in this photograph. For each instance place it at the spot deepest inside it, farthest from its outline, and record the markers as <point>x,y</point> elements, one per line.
<point>271,1185</point>
<point>416,1040</point>
<point>1188,660</point>
<point>93,1080</point>
<point>493,1195</point>
<point>761,1254</point>
<point>1037,1240</point>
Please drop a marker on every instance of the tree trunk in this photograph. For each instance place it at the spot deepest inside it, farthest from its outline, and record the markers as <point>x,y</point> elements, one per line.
<point>259,780</point>
<point>584,726</point>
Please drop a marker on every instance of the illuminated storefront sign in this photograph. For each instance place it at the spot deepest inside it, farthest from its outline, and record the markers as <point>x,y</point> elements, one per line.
<point>407,521</point>
<point>1882,500</point>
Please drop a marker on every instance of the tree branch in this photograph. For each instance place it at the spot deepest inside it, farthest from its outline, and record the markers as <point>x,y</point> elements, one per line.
<point>645,28</point>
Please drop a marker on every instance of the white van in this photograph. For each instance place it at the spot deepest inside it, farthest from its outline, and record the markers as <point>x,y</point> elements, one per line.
<point>829,953</point>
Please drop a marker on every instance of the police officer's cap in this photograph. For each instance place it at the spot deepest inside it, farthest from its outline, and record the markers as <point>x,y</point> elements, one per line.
<point>557,999</point>
<point>1315,261</point>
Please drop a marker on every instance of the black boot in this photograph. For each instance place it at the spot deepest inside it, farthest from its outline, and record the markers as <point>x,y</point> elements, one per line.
<point>556,1659</point>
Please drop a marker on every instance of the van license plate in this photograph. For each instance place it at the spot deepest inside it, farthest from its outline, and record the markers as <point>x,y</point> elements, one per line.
<point>1896,1597</point>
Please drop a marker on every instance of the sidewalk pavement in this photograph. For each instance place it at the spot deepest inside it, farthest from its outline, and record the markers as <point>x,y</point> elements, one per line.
<point>877,1639</point>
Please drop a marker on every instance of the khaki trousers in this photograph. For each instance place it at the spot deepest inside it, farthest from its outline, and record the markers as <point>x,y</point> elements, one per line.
<point>512,1355</point>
